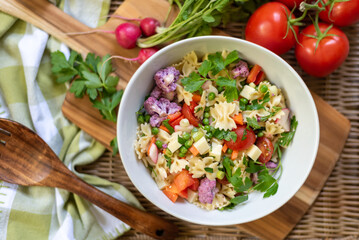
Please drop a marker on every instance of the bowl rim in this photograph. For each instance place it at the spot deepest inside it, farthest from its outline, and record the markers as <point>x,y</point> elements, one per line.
<point>301,82</point>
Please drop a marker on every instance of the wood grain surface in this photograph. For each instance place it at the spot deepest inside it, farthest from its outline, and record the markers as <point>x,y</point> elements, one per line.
<point>334,126</point>
<point>43,168</point>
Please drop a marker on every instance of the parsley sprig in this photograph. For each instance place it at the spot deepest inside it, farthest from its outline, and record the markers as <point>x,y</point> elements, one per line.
<point>92,76</point>
<point>214,64</point>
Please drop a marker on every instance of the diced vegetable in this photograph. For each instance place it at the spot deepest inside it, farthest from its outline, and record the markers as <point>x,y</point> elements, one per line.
<point>254,73</point>
<point>224,148</point>
<point>234,154</point>
<point>197,135</point>
<point>183,180</point>
<point>174,116</point>
<point>254,152</point>
<point>238,119</point>
<point>202,146</point>
<point>220,175</point>
<point>195,185</point>
<point>193,150</point>
<point>196,98</point>
<point>171,192</point>
<point>177,121</point>
<point>164,128</point>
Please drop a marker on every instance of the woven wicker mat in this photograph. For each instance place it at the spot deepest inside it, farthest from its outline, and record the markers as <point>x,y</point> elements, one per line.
<point>335,214</point>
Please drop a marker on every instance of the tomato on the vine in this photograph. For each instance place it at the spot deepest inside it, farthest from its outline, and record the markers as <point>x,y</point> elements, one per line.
<point>291,3</point>
<point>342,14</point>
<point>245,138</point>
<point>330,53</point>
<point>268,27</point>
<point>266,146</point>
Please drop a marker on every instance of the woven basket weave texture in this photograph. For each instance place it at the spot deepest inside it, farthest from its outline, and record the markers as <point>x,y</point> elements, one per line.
<point>335,213</point>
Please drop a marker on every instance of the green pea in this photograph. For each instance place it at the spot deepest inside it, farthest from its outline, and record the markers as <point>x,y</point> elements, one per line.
<point>229,151</point>
<point>209,135</point>
<point>205,121</point>
<point>159,144</point>
<point>211,96</point>
<point>206,115</point>
<point>194,130</point>
<point>183,149</point>
<point>186,136</point>
<point>263,88</point>
<point>260,134</point>
<point>207,128</point>
<point>244,101</point>
<point>188,143</point>
<point>147,118</point>
<point>206,109</point>
<point>212,129</point>
<point>155,131</point>
<point>181,154</point>
<point>141,119</point>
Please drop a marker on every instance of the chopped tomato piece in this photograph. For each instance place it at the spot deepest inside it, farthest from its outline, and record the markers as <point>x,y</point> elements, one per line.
<point>192,105</point>
<point>256,69</point>
<point>177,121</point>
<point>266,146</point>
<point>183,180</point>
<point>260,78</point>
<point>171,192</point>
<point>187,113</point>
<point>183,193</point>
<point>173,117</point>
<point>195,185</point>
<point>245,138</point>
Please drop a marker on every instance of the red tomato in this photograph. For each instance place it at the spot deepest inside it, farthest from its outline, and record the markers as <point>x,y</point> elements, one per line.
<point>291,3</point>
<point>187,113</point>
<point>342,14</point>
<point>330,54</point>
<point>240,144</point>
<point>266,146</point>
<point>268,27</point>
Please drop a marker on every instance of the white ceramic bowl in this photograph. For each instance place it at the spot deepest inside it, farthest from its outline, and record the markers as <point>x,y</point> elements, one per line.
<point>297,159</point>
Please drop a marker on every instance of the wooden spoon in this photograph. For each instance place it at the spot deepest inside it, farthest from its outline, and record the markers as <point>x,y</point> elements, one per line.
<point>25,159</point>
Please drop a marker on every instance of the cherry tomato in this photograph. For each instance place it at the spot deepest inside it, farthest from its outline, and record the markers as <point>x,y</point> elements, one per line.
<point>342,14</point>
<point>248,139</point>
<point>187,113</point>
<point>266,146</point>
<point>330,54</point>
<point>268,27</point>
<point>291,3</point>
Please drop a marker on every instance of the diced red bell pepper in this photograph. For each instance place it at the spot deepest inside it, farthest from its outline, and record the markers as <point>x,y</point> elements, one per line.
<point>183,180</point>
<point>183,193</point>
<point>177,121</point>
<point>188,113</point>
<point>195,185</point>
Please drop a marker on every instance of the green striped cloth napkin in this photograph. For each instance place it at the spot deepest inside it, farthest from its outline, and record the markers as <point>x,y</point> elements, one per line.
<point>30,95</point>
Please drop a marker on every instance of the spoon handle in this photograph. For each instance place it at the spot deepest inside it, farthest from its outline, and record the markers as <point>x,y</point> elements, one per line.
<point>144,222</point>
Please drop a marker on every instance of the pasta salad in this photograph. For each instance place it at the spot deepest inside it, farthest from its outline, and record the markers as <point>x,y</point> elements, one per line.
<point>213,129</point>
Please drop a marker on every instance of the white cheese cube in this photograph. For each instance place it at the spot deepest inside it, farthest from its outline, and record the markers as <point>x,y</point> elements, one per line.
<point>192,196</point>
<point>253,152</point>
<point>174,145</point>
<point>247,92</point>
<point>216,151</point>
<point>201,145</point>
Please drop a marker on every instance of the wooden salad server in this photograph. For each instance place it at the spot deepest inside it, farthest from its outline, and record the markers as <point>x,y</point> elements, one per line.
<point>25,159</point>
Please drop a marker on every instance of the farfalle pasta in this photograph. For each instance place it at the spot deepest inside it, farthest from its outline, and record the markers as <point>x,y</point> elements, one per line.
<point>210,127</point>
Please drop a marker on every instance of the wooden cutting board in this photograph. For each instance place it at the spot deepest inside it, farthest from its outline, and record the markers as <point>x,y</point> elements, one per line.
<point>334,127</point>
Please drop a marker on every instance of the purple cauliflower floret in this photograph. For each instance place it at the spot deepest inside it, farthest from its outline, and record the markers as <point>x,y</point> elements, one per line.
<point>207,190</point>
<point>156,92</point>
<point>240,70</point>
<point>166,79</point>
<point>156,120</point>
<point>271,164</point>
<point>160,109</point>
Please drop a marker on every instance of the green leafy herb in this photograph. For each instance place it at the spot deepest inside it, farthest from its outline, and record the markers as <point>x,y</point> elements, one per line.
<point>168,126</point>
<point>193,82</point>
<point>276,110</point>
<point>226,135</point>
<point>254,167</point>
<point>287,137</point>
<point>169,161</point>
<point>253,123</point>
<point>266,183</point>
<point>205,68</point>
<point>92,76</point>
<point>231,91</point>
<point>208,169</point>
<point>244,135</point>
<point>239,199</point>
<point>187,167</point>
<point>255,105</point>
<point>228,164</point>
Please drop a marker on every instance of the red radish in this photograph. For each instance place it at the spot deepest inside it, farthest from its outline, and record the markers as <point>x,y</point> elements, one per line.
<point>153,152</point>
<point>126,34</point>
<point>143,55</point>
<point>284,121</point>
<point>148,25</point>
